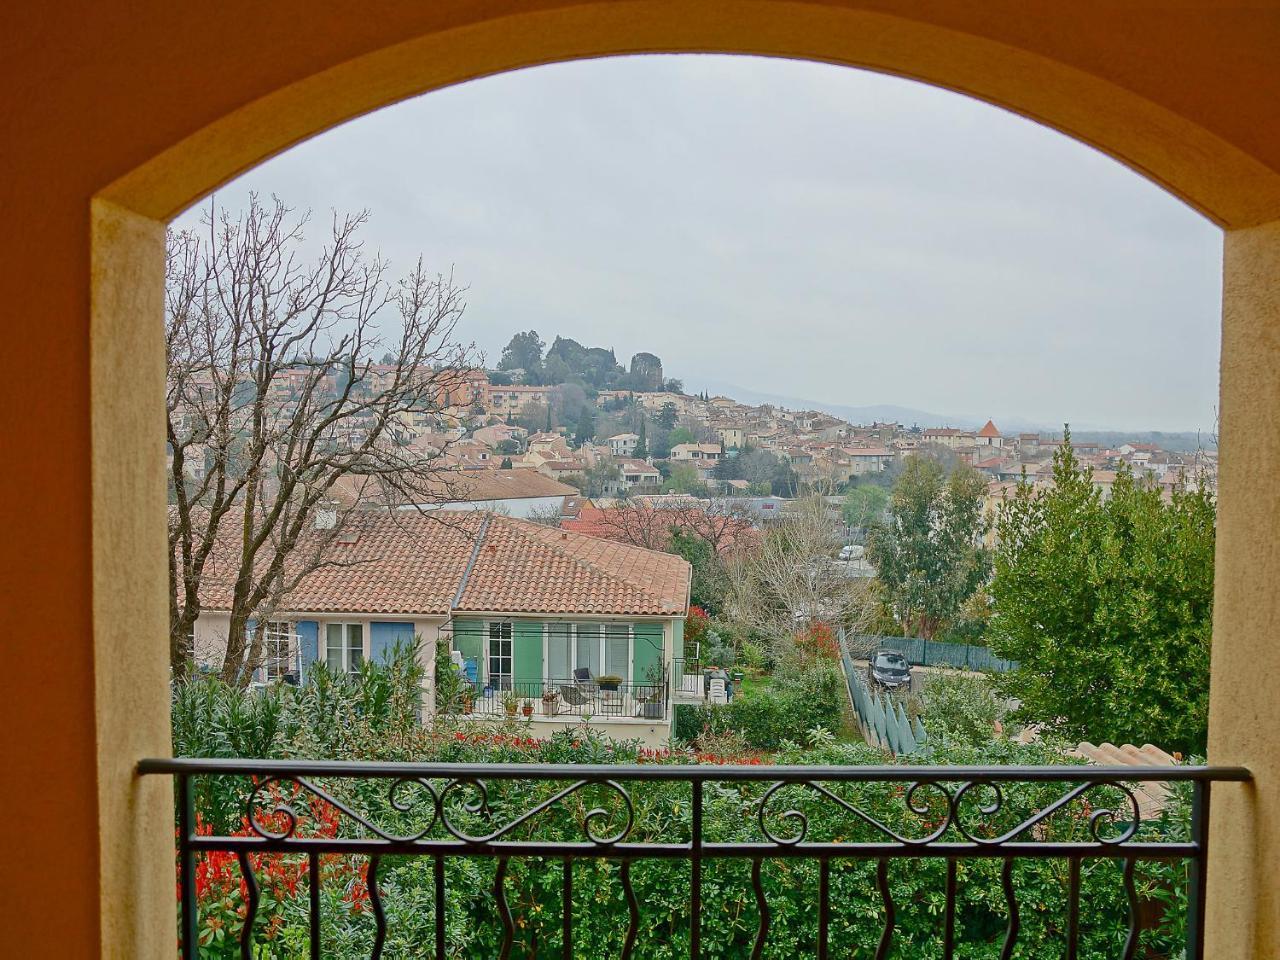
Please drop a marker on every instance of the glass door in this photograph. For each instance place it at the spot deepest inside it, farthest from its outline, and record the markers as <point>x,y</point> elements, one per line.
<point>500,655</point>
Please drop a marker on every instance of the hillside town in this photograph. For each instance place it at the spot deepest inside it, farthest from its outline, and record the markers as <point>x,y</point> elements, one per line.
<point>508,445</point>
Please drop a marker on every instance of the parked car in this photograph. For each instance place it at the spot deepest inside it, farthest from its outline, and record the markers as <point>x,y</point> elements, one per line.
<point>852,552</point>
<point>889,669</point>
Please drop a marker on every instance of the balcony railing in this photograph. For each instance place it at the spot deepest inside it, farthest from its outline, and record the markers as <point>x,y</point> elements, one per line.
<point>686,679</point>
<point>834,817</point>
<point>573,699</point>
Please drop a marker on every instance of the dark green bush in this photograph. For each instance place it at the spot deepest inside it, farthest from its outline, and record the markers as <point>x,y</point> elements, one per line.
<point>800,698</point>
<point>212,720</point>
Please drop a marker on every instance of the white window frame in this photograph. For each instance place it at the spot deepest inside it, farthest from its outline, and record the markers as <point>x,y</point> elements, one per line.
<point>603,626</point>
<point>275,665</point>
<point>509,656</point>
<point>346,665</point>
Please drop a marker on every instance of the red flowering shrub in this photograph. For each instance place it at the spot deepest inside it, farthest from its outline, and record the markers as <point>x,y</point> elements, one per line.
<point>696,625</point>
<point>222,895</point>
<point>817,641</point>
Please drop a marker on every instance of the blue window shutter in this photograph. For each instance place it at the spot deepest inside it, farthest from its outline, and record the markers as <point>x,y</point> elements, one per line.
<point>308,632</point>
<point>384,636</point>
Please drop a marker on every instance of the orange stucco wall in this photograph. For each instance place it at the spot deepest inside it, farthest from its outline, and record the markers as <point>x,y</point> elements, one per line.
<point>151,104</point>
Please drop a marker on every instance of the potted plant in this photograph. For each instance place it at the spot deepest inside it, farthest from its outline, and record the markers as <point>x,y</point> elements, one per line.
<point>510,703</point>
<point>609,681</point>
<point>550,702</point>
<point>651,701</point>
<point>527,709</point>
<point>651,705</point>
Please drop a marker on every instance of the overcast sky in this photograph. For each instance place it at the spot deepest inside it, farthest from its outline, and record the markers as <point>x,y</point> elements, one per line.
<point>795,229</point>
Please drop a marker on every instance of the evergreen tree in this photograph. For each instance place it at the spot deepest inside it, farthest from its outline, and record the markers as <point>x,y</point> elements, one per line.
<point>667,416</point>
<point>642,450</point>
<point>1107,605</point>
<point>586,426</point>
<point>929,554</point>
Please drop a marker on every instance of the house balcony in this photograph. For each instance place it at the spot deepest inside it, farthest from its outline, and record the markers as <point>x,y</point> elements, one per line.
<point>726,827</point>
<point>570,700</point>
<point>688,684</point>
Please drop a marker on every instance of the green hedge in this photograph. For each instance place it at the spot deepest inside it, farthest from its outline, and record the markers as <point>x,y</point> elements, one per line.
<point>798,701</point>
<point>375,711</point>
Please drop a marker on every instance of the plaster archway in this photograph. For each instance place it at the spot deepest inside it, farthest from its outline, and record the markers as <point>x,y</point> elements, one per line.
<point>133,118</point>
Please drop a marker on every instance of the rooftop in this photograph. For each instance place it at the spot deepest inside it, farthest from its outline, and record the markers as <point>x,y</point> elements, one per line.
<point>439,564</point>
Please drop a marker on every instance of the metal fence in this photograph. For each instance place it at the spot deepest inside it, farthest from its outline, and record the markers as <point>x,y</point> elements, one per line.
<point>936,653</point>
<point>882,719</point>
<point>567,698</point>
<point>873,814</point>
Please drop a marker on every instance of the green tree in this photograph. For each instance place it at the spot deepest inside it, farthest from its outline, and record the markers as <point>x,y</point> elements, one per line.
<point>864,505</point>
<point>586,427</point>
<point>681,435</point>
<point>710,581</point>
<point>684,479</point>
<point>1107,606</point>
<point>524,352</point>
<point>642,449</point>
<point>668,415</point>
<point>928,553</point>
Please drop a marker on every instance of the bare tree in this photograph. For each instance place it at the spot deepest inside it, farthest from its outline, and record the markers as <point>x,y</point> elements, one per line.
<point>280,422</point>
<point>790,579</point>
<point>548,516</point>
<point>643,525</point>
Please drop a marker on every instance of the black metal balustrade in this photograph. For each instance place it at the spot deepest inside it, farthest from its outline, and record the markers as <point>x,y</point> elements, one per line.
<point>687,679</point>
<point>954,814</point>
<point>570,698</point>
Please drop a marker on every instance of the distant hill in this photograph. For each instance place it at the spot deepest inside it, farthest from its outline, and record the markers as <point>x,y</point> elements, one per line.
<point>868,414</point>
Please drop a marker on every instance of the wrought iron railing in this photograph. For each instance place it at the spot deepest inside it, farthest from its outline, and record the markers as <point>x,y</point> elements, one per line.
<point>569,698</point>
<point>686,678</point>
<point>832,816</point>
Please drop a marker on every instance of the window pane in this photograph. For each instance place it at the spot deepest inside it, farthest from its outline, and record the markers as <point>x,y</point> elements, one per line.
<point>277,649</point>
<point>500,661</point>
<point>558,651</point>
<point>587,647</point>
<point>333,645</point>
<point>617,650</point>
<point>355,646</point>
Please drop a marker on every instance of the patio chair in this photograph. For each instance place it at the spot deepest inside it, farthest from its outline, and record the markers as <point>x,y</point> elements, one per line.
<point>577,695</point>
<point>716,693</point>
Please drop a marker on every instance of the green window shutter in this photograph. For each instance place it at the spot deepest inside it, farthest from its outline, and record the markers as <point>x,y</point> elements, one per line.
<point>468,640</point>
<point>647,643</point>
<point>527,650</point>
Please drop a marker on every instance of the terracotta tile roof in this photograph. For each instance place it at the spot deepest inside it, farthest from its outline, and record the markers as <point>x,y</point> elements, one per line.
<point>415,564</point>
<point>1152,795</point>
<point>490,484</point>
<point>636,466</point>
<point>989,430</point>
<point>525,567</point>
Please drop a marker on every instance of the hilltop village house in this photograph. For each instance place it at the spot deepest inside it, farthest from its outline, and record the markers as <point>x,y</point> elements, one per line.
<point>532,614</point>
